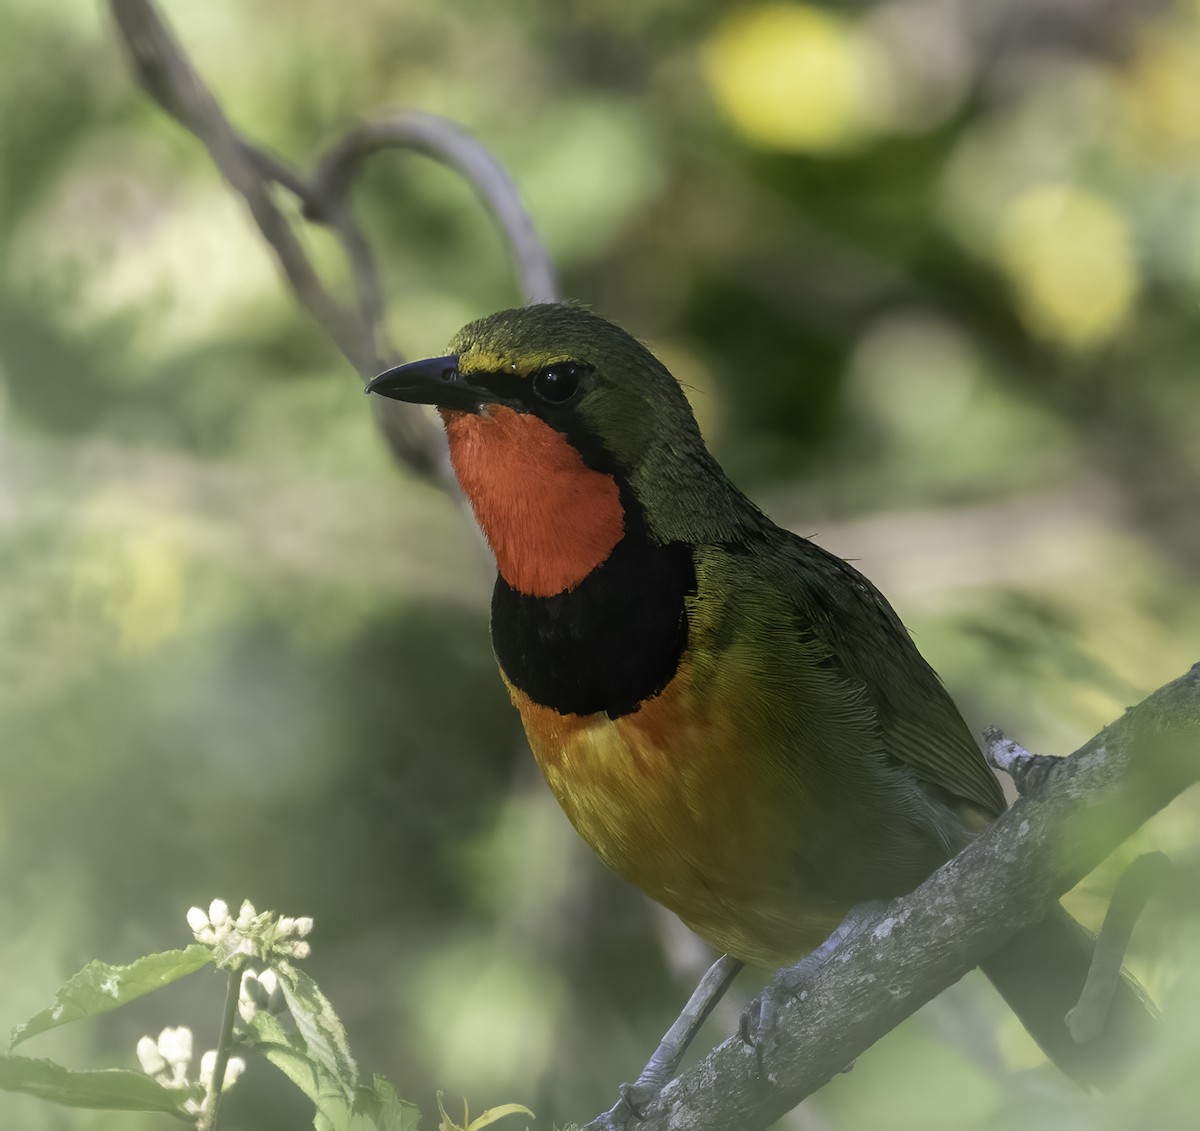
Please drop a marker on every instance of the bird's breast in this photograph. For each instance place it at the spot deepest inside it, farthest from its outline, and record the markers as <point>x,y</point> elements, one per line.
<point>671,796</point>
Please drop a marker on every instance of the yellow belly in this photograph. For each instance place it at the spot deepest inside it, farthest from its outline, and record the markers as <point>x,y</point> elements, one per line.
<point>672,796</point>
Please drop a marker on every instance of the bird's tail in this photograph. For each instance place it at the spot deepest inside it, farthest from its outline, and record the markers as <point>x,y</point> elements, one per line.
<point>1040,972</point>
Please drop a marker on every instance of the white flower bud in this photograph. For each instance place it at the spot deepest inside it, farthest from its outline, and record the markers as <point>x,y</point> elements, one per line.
<point>245,915</point>
<point>197,920</point>
<point>234,1067</point>
<point>218,912</point>
<point>286,926</point>
<point>301,949</point>
<point>251,996</point>
<point>151,1059</point>
<point>207,1063</point>
<point>175,1045</point>
<point>303,925</point>
<point>269,981</point>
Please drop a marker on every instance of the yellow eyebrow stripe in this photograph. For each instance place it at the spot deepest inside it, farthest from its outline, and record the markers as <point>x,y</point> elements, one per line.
<point>485,361</point>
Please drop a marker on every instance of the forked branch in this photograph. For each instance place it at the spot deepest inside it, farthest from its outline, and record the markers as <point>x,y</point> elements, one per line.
<point>167,74</point>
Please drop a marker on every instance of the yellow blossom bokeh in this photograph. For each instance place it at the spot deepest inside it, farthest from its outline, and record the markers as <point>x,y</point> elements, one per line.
<point>795,77</point>
<point>1068,254</point>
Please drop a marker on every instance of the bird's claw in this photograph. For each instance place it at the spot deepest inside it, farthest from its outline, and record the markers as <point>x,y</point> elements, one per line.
<point>630,1108</point>
<point>638,1097</point>
<point>759,1024</point>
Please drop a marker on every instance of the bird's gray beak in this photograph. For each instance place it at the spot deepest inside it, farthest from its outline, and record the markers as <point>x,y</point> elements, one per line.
<point>436,380</point>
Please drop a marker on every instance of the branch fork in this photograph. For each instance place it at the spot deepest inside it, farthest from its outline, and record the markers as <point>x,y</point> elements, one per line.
<point>168,76</point>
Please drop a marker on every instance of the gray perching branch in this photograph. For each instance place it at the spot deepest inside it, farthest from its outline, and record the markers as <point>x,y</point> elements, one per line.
<point>166,73</point>
<point>1009,877</point>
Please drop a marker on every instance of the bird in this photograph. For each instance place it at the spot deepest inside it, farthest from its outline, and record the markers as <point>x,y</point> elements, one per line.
<point>735,719</point>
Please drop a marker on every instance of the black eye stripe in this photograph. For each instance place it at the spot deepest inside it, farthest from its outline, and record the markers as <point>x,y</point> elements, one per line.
<point>552,385</point>
<point>502,383</point>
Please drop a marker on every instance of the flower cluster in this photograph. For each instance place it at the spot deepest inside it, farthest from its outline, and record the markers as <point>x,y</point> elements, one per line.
<point>249,934</point>
<point>169,1058</point>
<point>248,937</point>
<point>260,991</point>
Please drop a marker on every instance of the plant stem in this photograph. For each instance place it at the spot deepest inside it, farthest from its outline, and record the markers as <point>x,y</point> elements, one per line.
<point>208,1121</point>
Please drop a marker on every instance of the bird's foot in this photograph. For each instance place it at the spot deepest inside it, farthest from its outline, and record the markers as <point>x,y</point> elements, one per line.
<point>633,1101</point>
<point>760,1023</point>
<point>619,1117</point>
<point>636,1098</point>
<point>639,1095</point>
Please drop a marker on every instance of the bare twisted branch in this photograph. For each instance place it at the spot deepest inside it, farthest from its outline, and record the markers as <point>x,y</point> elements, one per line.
<point>166,73</point>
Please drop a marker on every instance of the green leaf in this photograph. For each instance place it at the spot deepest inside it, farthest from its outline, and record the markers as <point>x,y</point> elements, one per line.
<point>323,1033</point>
<point>99,987</point>
<point>378,1108</point>
<point>288,1052</point>
<point>285,1051</point>
<point>317,1060</point>
<point>341,1121</point>
<point>480,1122</point>
<point>494,1113</point>
<point>110,1089</point>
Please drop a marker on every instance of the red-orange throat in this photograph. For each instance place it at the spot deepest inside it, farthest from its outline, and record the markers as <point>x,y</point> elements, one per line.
<point>549,518</point>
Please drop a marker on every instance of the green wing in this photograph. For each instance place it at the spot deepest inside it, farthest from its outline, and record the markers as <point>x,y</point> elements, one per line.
<point>919,724</point>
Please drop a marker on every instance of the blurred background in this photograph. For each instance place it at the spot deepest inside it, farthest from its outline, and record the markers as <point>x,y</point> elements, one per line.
<point>930,270</point>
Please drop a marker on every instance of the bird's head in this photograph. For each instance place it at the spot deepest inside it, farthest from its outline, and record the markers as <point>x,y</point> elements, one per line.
<point>565,433</point>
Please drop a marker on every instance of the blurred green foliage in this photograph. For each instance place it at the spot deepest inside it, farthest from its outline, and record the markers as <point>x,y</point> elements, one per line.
<point>930,271</point>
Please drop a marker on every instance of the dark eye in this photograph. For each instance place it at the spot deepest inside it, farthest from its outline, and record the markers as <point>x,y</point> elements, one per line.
<point>558,383</point>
